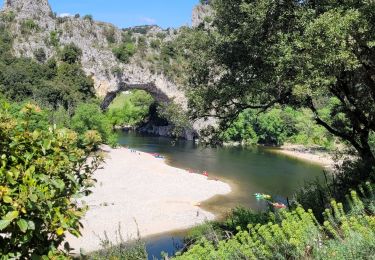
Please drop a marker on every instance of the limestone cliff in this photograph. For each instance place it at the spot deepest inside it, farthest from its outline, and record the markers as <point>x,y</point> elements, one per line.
<point>201,15</point>
<point>91,37</point>
<point>35,27</point>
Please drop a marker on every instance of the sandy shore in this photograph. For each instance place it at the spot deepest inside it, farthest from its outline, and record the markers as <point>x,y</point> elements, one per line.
<point>140,192</point>
<point>310,155</point>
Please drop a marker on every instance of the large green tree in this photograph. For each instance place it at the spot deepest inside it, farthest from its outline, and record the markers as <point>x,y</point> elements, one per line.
<point>309,54</point>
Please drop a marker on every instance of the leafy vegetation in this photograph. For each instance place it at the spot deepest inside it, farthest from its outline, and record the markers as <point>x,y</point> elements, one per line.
<point>277,126</point>
<point>43,169</point>
<point>129,109</point>
<point>70,53</point>
<point>89,117</point>
<point>28,26</point>
<point>302,54</point>
<point>122,250</point>
<point>297,234</point>
<point>124,51</point>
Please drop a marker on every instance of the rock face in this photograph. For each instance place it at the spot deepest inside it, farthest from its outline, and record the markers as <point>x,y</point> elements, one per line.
<point>35,7</point>
<point>90,36</point>
<point>34,26</point>
<point>200,15</point>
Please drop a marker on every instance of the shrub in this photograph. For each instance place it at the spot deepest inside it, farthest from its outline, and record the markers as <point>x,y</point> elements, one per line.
<point>123,250</point>
<point>28,26</point>
<point>88,17</point>
<point>70,53</point>
<point>297,234</point>
<point>90,117</point>
<point>155,44</point>
<point>54,38</point>
<point>42,171</point>
<point>110,34</point>
<point>40,55</point>
<point>124,52</point>
<point>8,16</point>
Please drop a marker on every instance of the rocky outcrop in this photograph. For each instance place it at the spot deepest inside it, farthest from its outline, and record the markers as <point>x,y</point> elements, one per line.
<point>201,14</point>
<point>90,36</point>
<point>35,27</point>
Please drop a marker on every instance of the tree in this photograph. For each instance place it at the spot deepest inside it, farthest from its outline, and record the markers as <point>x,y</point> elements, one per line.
<point>90,117</point>
<point>43,170</point>
<point>124,51</point>
<point>301,53</point>
<point>70,53</point>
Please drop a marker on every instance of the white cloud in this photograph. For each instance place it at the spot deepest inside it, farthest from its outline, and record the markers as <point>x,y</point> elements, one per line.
<point>147,20</point>
<point>65,15</point>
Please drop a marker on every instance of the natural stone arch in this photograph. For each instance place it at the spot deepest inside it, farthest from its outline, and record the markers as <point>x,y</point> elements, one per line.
<point>156,93</point>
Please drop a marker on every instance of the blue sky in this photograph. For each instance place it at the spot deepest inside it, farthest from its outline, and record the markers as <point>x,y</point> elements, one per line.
<point>126,13</point>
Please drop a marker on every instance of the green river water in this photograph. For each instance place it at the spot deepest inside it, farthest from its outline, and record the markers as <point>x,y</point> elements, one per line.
<point>247,170</point>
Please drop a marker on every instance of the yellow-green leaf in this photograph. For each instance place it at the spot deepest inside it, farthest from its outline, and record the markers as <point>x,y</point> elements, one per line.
<point>60,231</point>
<point>7,199</point>
<point>4,224</point>
<point>22,224</point>
<point>11,215</point>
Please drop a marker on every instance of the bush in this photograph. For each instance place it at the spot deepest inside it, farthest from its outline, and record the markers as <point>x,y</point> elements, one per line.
<point>297,234</point>
<point>8,16</point>
<point>124,52</point>
<point>54,38</point>
<point>155,44</point>
<point>42,171</point>
<point>40,55</point>
<point>110,34</point>
<point>129,109</point>
<point>70,53</point>
<point>124,250</point>
<point>88,17</point>
<point>90,117</point>
<point>28,26</point>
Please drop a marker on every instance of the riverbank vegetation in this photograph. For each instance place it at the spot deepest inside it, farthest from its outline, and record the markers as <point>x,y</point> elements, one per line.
<point>294,234</point>
<point>130,109</point>
<point>276,127</point>
<point>302,72</point>
<point>299,72</point>
<point>270,71</point>
<point>43,170</point>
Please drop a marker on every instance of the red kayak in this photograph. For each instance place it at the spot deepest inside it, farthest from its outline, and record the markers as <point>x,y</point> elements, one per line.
<point>278,205</point>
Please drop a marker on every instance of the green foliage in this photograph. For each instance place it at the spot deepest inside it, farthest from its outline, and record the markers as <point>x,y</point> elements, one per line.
<point>129,109</point>
<point>42,171</point>
<point>155,44</point>
<point>88,17</point>
<point>8,16</point>
<point>110,34</point>
<point>49,84</point>
<point>54,38</point>
<point>124,250</point>
<point>304,54</point>
<point>277,126</point>
<point>28,26</point>
<point>142,46</point>
<point>70,53</point>
<point>90,117</point>
<point>124,51</point>
<point>5,42</point>
<point>297,234</point>
<point>127,37</point>
<point>175,116</point>
<point>40,55</point>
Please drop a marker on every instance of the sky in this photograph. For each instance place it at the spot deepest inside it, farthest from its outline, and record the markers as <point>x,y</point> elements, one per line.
<point>127,13</point>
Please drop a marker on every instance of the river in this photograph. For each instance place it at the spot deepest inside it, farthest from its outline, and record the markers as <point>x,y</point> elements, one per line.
<point>247,170</point>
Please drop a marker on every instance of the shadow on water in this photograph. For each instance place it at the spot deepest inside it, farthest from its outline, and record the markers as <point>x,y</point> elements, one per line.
<point>247,170</point>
